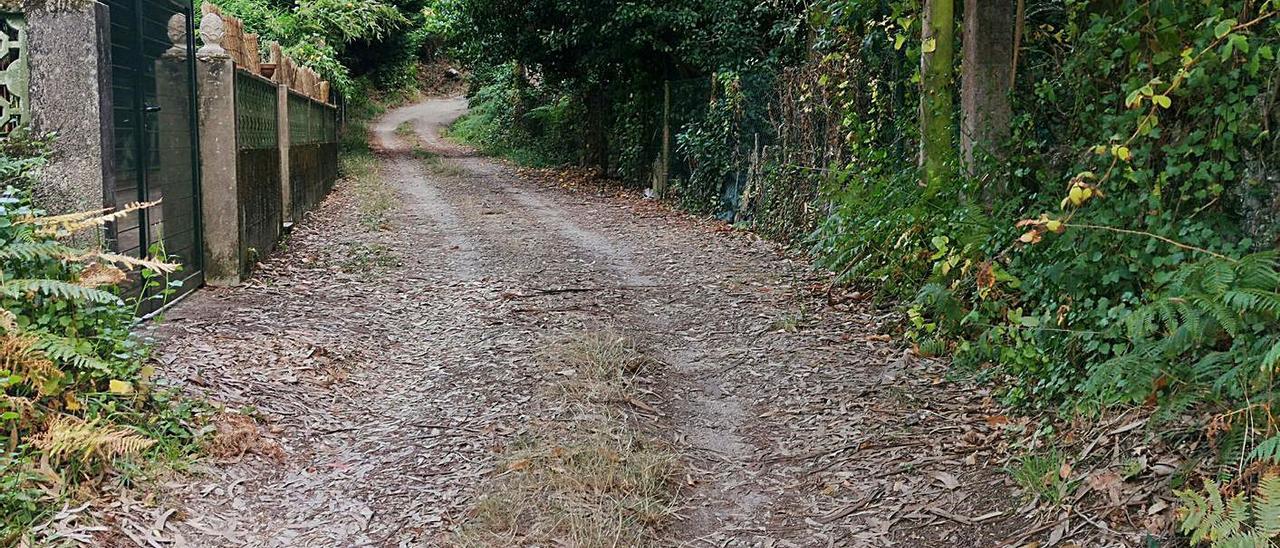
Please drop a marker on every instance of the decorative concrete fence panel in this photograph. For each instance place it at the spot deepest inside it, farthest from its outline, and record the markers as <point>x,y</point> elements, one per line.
<point>269,152</point>
<point>313,152</point>
<point>258,163</point>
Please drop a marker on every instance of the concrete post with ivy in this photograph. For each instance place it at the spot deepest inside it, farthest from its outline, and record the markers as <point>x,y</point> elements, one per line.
<point>215,81</point>
<point>282,129</point>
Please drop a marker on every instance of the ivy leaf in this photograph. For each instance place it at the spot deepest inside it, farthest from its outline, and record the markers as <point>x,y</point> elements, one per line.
<point>1223,27</point>
<point>930,45</point>
<point>899,41</point>
<point>1134,99</point>
<point>1240,42</point>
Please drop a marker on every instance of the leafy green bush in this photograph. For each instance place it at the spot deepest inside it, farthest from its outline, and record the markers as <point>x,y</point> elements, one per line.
<point>336,36</point>
<point>501,121</point>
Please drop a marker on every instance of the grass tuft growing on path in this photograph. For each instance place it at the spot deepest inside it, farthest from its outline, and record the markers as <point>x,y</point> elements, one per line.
<point>595,476</point>
<point>359,167</point>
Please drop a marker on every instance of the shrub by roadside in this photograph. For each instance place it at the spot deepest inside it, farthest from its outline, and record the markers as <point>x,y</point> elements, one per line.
<point>77,407</point>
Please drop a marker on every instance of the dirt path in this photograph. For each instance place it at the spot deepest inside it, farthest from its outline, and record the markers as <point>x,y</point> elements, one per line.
<point>391,367</point>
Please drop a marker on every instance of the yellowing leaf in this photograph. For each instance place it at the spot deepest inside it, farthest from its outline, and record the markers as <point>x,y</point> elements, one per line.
<point>120,388</point>
<point>1054,226</point>
<point>1123,153</point>
<point>930,45</point>
<point>1076,196</point>
<point>1162,100</point>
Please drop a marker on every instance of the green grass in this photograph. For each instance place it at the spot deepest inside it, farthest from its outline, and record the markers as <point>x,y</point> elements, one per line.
<point>1040,477</point>
<point>357,165</point>
<point>483,128</point>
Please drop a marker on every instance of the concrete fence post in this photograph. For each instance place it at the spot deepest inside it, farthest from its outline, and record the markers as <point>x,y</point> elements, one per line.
<point>70,94</point>
<point>282,129</point>
<point>215,81</point>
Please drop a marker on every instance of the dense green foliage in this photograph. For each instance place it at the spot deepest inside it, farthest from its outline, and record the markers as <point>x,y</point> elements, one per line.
<point>381,41</point>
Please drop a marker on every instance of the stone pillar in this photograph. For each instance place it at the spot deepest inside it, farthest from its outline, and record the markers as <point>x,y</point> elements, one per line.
<point>70,93</point>
<point>171,114</point>
<point>224,260</point>
<point>282,129</point>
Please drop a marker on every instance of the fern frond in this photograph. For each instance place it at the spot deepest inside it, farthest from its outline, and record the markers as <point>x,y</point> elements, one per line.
<point>68,436</point>
<point>31,251</point>
<point>8,321</point>
<point>1267,506</point>
<point>1227,319</point>
<point>1217,276</point>
<point>21,355</point>
<point>1268,451</point>
<point>1259,270</point>
<point>99,275</point>
<point>75,222</point>
<point>135,262</point>
<point>1272,358</point>
<point>55,288</point>
<point>65,351</point>
<point>1233,520</point>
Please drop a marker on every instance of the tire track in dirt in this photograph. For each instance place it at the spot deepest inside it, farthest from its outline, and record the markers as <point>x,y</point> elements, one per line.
<point>803,428</point>
<point>709,425</point>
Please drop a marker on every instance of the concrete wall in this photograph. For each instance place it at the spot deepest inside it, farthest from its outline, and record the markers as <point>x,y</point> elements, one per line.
<point>70,61</point>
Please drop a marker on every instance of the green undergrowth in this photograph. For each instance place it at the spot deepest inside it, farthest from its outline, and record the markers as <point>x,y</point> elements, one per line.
<point>79,413</point>
<point>532,127</point>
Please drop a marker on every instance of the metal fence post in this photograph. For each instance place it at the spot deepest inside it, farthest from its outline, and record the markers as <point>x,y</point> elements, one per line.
<point>664,173</point>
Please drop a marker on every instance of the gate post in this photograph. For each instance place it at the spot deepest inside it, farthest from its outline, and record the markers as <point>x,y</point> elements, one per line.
<point>215,81</point>
<point>69,52</point>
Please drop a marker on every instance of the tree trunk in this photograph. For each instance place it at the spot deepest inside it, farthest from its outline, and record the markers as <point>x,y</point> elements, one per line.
<point>937,152</point>
<point>596,136</point>
<point>987,80</point>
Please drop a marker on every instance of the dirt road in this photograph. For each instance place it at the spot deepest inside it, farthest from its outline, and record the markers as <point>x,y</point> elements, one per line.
<point>391,367</point>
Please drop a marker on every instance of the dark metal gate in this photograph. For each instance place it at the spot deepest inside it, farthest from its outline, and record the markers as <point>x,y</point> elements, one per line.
<point>154,131</point>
